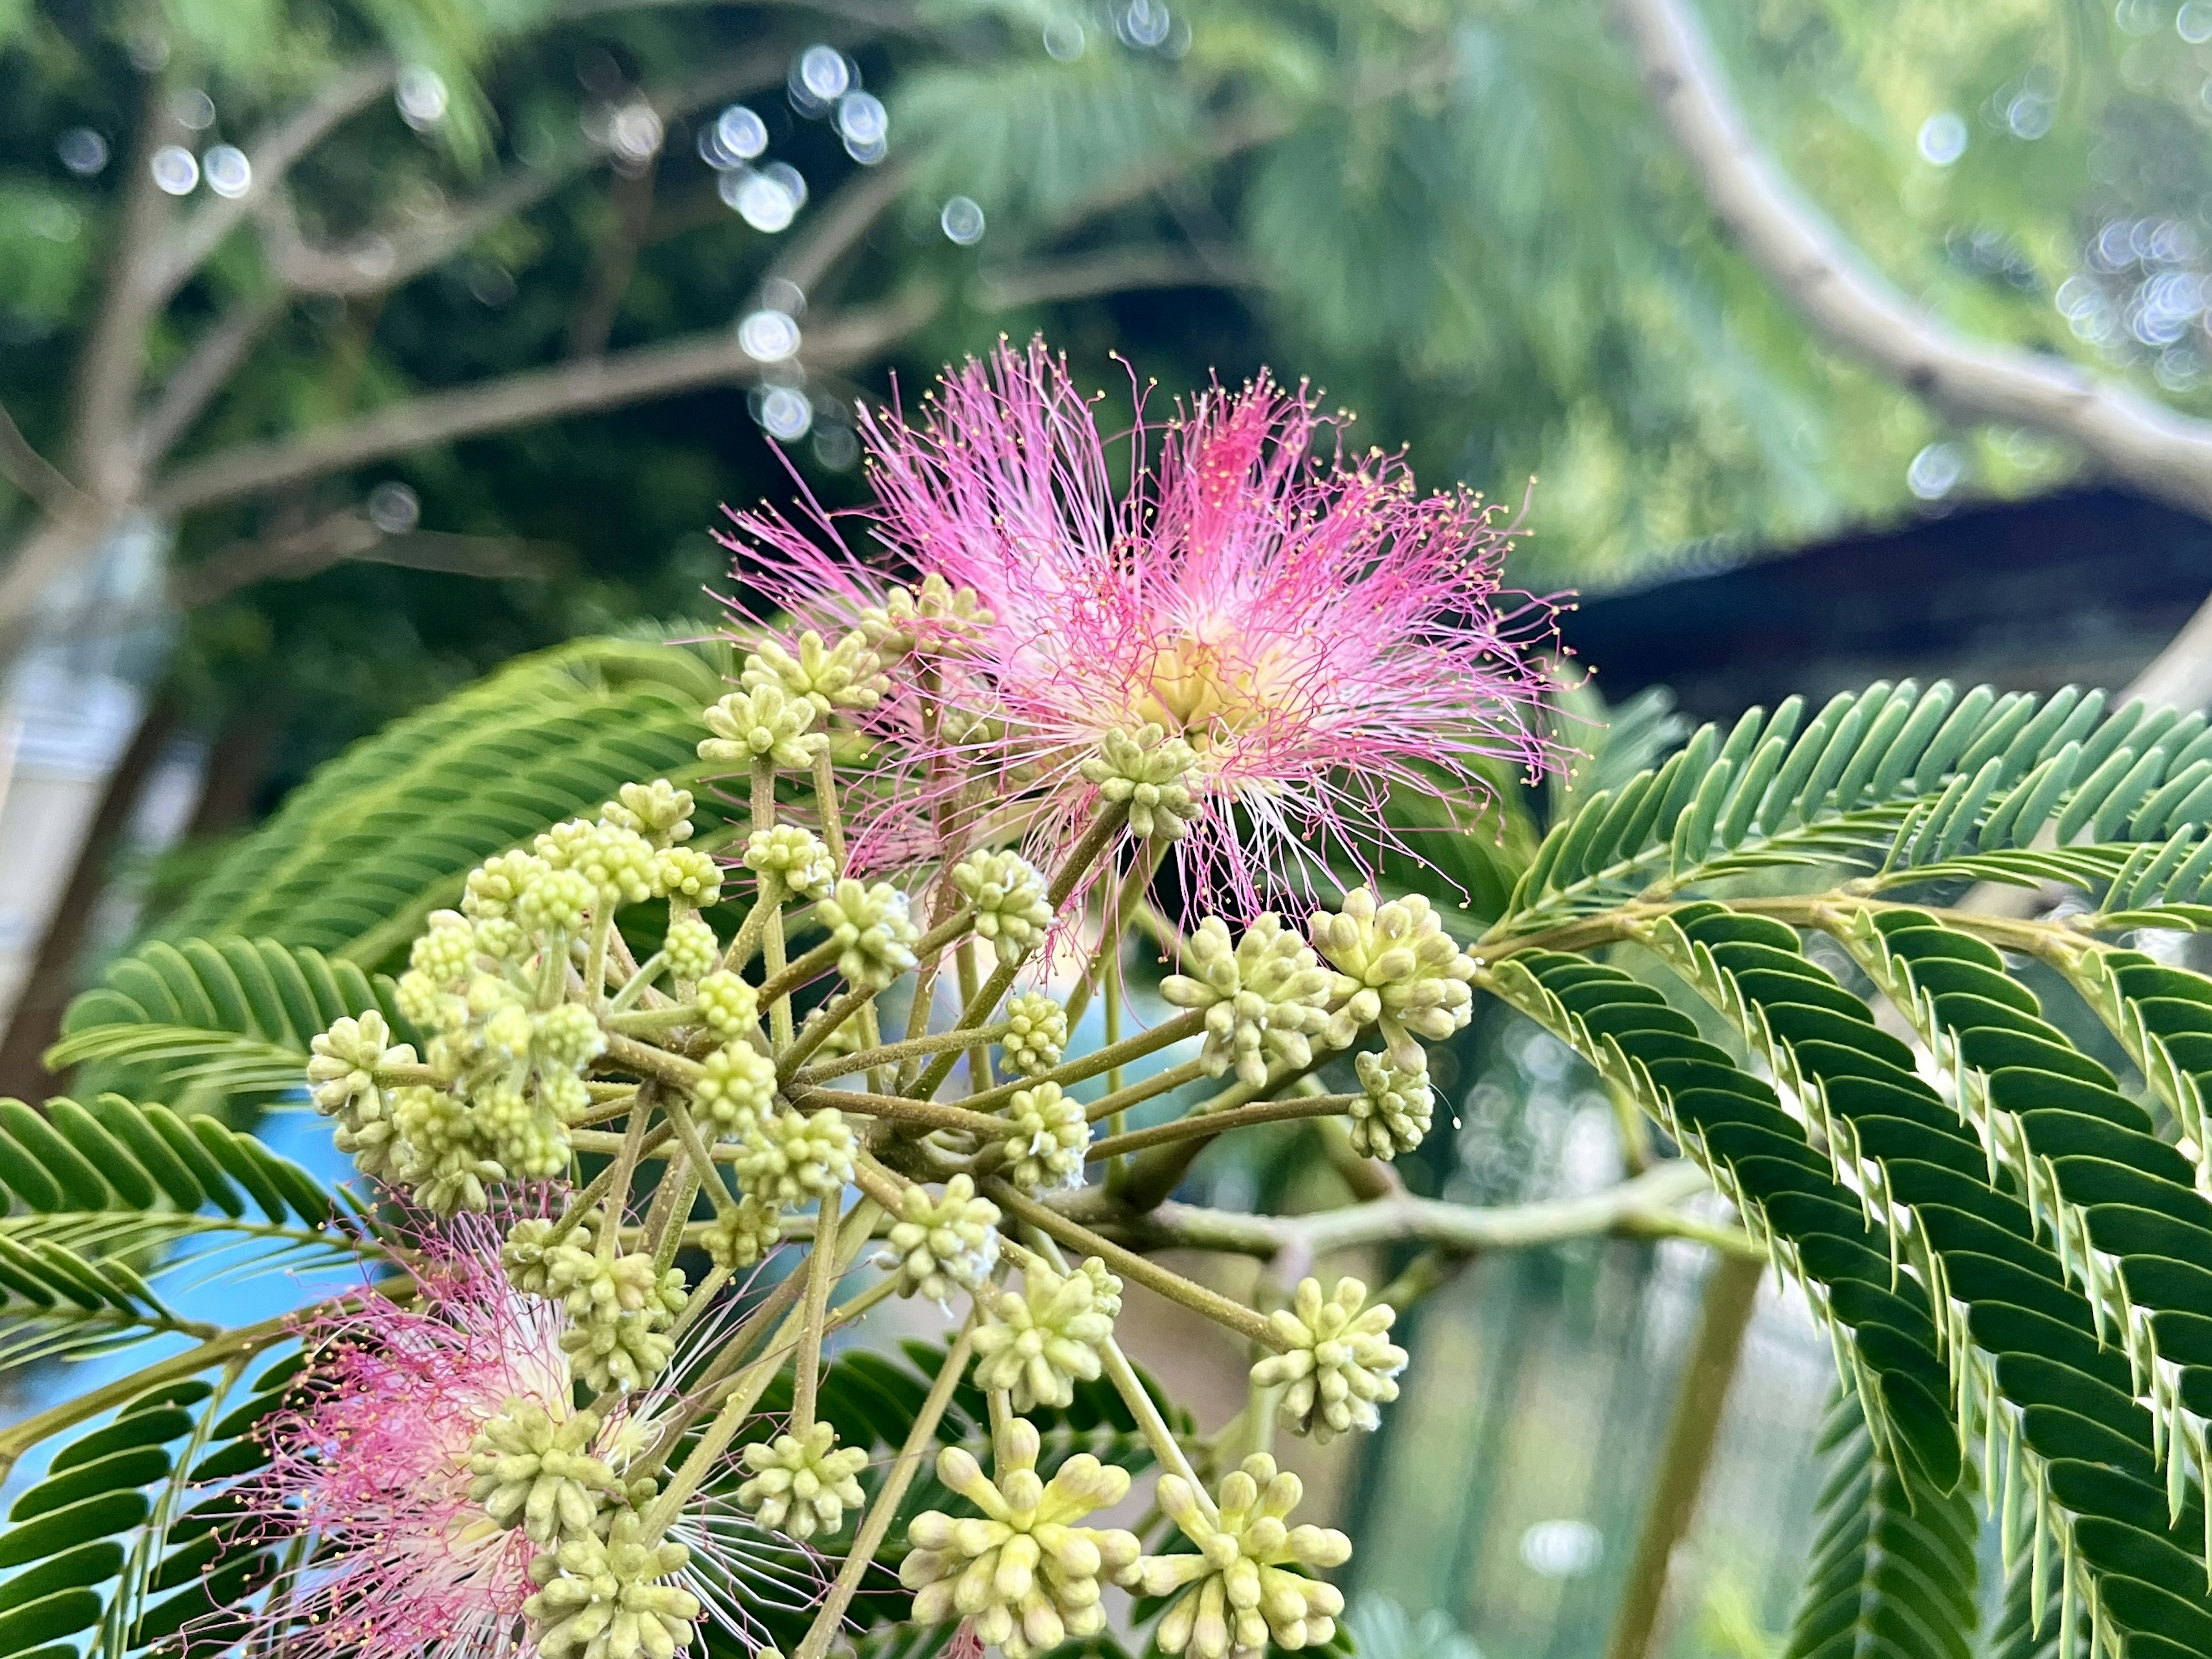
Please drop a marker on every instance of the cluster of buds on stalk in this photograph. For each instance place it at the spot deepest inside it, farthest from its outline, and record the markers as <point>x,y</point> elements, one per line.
<point>661,1047</point>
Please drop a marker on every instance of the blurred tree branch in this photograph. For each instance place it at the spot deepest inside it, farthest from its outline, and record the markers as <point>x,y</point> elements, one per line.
<point>31,472</point>
<point>1112,270</point>
<point>1850,306</point>
<point>538,394</point>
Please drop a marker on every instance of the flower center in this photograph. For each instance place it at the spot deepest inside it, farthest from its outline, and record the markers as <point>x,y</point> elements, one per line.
<point>1210,693</point>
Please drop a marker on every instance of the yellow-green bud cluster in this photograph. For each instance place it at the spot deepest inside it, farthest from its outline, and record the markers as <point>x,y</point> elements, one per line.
<point>938,1244</point>
<point>1338,1359</point>
<point>1047,1136</point>
<point>657,811</point>
<point>728,1006</point>
<point>1028,1577</point>
<point>1036,1033</point>
<point>1239,1589</point>
<point>789,1157</point>
<point>765,724</point>
<point>619,1307</point>
<point>803,1484</point>
<point>937,615</point>
<point>739,1238</point>
<point>1394,1108</point>
<point>610,1598</point>
<point>796,857</point>
<point>619,864</point>
<point>532,1471</point>
<point>1396,967</point>
<point>1265,996</point>
<point>1048,1335</point>
<point>686,876</point>
<point>736,1089</point>
<point>1145,771</point>
<point>844,676</point>
<point>1007,893</point>
<point>342,1071</point>
<point>441,1152</point>
<point>690,946</point>
<point>874,932</point>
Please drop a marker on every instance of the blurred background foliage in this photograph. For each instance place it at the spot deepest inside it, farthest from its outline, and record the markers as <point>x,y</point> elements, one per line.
<point>1459,219</point>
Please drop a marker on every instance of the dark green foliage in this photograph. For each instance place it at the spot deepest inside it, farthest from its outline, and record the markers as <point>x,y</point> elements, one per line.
<point>1893,1569</point>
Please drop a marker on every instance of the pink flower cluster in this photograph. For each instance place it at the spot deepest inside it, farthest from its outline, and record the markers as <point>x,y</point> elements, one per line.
<point>1319,633</point>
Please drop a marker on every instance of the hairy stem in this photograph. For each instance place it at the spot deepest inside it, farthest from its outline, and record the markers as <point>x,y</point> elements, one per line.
<point>1272,1111</point>
<point>821,1271</point>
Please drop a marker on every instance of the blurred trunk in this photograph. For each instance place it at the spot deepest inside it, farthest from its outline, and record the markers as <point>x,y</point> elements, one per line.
<point>50,981</point>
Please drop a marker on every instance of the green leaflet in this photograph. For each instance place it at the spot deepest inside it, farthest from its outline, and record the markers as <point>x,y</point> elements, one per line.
<point>1893,1569</point>
<point>383,834</point>
<point>2080,1458</point>
<point>1735,1127</point>
<point>219,1018</point>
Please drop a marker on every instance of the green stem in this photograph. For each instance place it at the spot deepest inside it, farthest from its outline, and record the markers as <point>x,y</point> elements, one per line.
<point>1080,857</point>
<point>768,906</point>
<point>979,1052</point>
<point>634,986</point>
<point>833,1018</point>
<point>701,1156</point>
<point>1166,1033</point>
<point>890,1054</point>
<point>595,959</point>
<point>779,1012</point>
<point>1113,920</point>
<point>821,1272</point>
<point>1113,1105</point>
<point>900,1109</point>
<point>920,1439</point>
<point>1128,1263</point>
<point>1272,1111</point>
<point>825,809</point>
<point>643,1057</point>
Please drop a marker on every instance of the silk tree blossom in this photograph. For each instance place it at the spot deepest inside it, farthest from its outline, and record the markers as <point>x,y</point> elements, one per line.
<point>1317,631</point>
<point>398,1459</point>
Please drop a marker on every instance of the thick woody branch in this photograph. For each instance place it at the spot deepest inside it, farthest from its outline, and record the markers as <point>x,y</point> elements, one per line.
<point>1854,309</point>
<point>335,102</point>
<point>528,398</point>
<point>31,472</point>
<point>1644,1207</point>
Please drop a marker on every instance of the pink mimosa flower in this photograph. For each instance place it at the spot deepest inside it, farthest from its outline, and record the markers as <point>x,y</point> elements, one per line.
<point>372,1466</point>
<point>1317,631</point>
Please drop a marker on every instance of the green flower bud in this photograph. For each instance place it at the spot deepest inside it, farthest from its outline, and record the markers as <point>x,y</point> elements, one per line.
<point>1008,894</point>
<point>1145,771</point>
<point>1396,967</point>
<point>764,724</point>
<point>610,1598</point>
<point>938,1244</point>
<point>496,885</point>
<point>788,1156</point>
<point>736,1089</point>
<point>728,1006</point>
<point>617,1311</point>
<point>1044,1338</point>
<point>1037,1033</point>
<point>803,1485</point>
<point>738,1240</point>
<point>1338,1361</point>
<point>874,932</point>
<point>538,1475</point>
<point>1263,998</point>
<point>344,1060</point>
<point>798,858</point>
<point>938,615</point>
<point>687,876</point>
<point>1047,1135</point>
<point>1027,1577</point>
<point>1238,1590</point>
<point>1394,1110</point>
<point>442,1156</point>
<point>846,675</point>
<point>657,811</point>
<point>446,955</point>
<point>691,947</point>
<point>567,1038</point>
<point>556,901</point>
<point>619,864</point>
